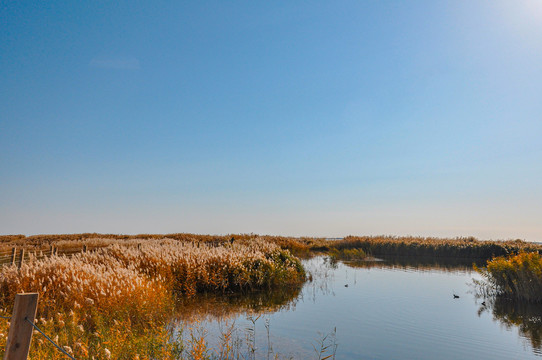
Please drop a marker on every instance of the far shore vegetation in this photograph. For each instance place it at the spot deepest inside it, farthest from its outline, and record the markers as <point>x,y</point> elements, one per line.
<point>430,247</point>
<point>117,299</point>
<point>420,247</point>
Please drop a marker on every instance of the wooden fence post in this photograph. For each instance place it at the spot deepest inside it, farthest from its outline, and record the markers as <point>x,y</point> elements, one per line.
<point>13,255</point>
<point>20,330</point>
<point>22,258</point>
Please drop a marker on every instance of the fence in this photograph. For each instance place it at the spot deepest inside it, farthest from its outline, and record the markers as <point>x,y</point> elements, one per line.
<point>22,322</point>
<point>25,306</point>
<point>21,328</point>
<point>18,255</point>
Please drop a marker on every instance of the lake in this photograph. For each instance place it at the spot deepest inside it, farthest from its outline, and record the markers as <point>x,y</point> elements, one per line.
<point>380,310</point>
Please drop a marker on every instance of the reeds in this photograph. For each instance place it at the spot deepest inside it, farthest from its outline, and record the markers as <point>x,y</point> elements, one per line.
<point>74,241</point>
<point>189,268</point>
<point>466,248</point>
<point>117,301</point>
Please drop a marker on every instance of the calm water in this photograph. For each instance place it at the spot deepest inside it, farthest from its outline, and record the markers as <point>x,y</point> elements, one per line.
<point>387,311</point>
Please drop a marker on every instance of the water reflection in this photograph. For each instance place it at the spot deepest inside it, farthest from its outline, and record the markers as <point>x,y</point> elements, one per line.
<point>526,317</point>
<point>393,308</point>
<point>205,307</point>
<point>416,264</point>
<point>320,275</point>
<point>220,307</point>
<point>320,281</point>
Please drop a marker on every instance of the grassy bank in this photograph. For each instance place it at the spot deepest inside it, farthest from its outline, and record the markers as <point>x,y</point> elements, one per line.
<point>117,302</point>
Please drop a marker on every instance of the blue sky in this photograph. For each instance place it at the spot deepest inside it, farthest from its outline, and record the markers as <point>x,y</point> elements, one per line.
<point>293,118</point>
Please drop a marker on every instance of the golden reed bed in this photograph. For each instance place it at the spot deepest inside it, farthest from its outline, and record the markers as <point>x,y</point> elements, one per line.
<point>118,301</point>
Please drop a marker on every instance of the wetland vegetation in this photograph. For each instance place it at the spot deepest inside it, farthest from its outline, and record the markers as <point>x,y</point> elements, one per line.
<point>120,299</point>
<point>117,301</point>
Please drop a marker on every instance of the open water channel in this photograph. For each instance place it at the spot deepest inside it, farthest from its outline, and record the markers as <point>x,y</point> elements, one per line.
<point>380,310</point>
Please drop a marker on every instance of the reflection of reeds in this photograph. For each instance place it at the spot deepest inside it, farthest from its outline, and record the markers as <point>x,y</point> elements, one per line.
<point>527,317</point>
<point>211,306</point>
<point>467,248</point>
<point>415,264</point>
<point>347,254</point>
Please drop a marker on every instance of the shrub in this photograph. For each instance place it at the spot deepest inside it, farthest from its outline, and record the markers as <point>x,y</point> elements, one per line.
<point>516,276</point>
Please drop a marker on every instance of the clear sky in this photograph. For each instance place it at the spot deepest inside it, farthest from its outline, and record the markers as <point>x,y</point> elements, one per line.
<point>279,117</point>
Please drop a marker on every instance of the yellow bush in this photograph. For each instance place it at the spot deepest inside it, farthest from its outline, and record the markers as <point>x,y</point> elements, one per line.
<point>518,276</point>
